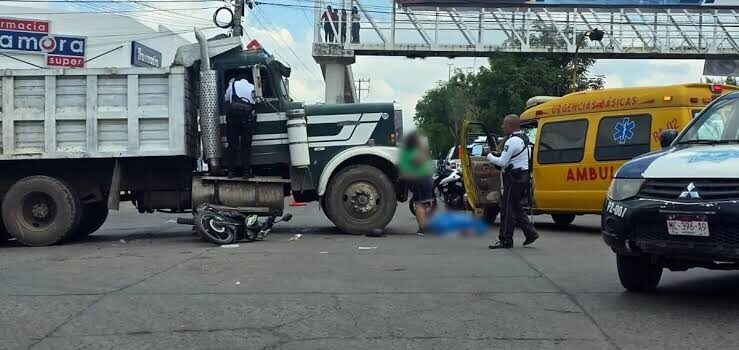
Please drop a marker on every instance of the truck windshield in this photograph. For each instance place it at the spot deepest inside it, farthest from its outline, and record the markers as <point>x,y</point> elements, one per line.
<point>719,124</point>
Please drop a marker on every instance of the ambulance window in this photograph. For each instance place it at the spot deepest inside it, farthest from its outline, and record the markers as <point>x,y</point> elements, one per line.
<point>562,142</point>
<point>623,137</point>
<point>696,112</point>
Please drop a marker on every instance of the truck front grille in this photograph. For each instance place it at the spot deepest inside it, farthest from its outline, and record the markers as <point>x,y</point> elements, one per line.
<point>706,189</point>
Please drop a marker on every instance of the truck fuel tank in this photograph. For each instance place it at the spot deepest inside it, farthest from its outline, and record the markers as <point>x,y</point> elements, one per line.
<point>259,195</point>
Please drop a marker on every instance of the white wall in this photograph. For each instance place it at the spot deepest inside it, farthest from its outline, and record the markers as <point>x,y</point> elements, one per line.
<point>104,32</point>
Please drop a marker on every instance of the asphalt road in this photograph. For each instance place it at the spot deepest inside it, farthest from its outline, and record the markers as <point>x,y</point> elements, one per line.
<point>145,283</point>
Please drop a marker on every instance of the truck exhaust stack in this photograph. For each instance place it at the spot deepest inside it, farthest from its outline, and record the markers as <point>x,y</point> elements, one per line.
<point>210,130</point>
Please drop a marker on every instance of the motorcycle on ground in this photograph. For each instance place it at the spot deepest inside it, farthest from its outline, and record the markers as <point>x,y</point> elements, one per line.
<point>224,225</point>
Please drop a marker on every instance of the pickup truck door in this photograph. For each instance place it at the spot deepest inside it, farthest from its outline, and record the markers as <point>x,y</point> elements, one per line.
<point>481,179</point>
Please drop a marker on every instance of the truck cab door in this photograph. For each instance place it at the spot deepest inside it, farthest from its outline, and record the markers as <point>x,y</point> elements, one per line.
<point>265,90</point>
<point>481,179</point>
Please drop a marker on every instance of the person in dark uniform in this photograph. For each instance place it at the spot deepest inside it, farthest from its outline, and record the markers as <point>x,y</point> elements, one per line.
<point>514,160</point>
<point>240,124</point>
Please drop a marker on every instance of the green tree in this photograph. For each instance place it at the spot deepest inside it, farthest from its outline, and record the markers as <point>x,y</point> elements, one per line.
<point>501,88</point>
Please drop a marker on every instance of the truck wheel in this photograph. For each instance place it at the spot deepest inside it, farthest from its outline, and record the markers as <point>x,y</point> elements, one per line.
<point>323,207</point>
<point>638,273</point>
<point>360,198</point>
<point>490,214</point>
<point>4,234</point>
<point>563,219</point>
<point>93,217</point>
<point>41,210</point>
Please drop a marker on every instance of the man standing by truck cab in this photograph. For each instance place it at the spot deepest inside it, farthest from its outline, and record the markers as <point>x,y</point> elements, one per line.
<point>240,123</point>
<point>514,160</point>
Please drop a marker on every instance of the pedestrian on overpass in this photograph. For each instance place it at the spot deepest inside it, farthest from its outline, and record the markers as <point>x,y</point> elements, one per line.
<point>240,124</point>
<point>327,27</point>
<point>343,26</point>
<point>415,168</point>
<point>514,161</point>
<point>355,25</point>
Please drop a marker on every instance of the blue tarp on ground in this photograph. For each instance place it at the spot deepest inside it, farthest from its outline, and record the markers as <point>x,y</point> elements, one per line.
<point>450,223</point>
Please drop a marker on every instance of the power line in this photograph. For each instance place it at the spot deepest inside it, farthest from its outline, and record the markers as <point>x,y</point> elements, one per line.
<point>159,35</point>
<point>359,83</point>
<point>288,46</point>
<point>104,12</point>
<point>112,1</point>
<point>140,17</point>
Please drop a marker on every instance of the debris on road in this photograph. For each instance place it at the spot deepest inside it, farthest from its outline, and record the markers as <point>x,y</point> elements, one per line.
<point>122,240</point>
<point>238,283</point>
<point>322,252</point>
<point>230,246</point>
<point>367,248</point>
<point>296,237</point>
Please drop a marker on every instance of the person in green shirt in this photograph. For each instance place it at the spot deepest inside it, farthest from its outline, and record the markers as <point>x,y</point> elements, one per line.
<point>415,167</point>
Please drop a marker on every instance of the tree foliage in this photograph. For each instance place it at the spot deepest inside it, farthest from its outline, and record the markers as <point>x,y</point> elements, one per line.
<point>502,87</point>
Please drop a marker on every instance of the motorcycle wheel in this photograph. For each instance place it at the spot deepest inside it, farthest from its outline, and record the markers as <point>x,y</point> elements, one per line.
<point>214,228</point>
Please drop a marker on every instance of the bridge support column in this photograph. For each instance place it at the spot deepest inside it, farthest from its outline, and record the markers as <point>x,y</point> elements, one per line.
<point>337,74</point>
<point>335,78</point>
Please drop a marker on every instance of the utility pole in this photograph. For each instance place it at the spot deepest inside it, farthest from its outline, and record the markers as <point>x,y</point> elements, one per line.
<point>360,88</point>
<point>450,71</point>
<point>238,30</point>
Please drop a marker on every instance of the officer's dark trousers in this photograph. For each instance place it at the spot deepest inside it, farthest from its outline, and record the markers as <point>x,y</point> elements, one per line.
<point>513,214</point>
<point>239,131</point>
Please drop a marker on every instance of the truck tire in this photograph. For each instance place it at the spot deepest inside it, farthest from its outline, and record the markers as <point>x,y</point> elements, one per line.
<point>93,217</point>
<point>323,208</point>
<point>41,211</point>
<point>563,219</point>
<point>638,273</point>
<point>360,198</point>
<point>4,234</point>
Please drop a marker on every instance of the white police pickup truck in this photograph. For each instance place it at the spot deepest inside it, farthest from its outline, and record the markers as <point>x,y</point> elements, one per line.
<point>678,208</point>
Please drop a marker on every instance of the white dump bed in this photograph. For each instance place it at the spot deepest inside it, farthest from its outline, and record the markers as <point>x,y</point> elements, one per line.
<point>96,113</point>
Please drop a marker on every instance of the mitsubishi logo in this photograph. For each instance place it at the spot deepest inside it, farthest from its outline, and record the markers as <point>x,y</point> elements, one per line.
<point>690,192</point>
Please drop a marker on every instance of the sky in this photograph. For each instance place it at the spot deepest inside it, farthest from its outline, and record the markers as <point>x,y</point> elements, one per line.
<point>287,32</point>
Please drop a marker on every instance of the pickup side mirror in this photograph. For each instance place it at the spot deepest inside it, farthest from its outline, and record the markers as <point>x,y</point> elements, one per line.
<point>666,137</point>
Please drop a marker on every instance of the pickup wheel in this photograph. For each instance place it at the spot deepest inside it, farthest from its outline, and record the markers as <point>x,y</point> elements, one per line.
<point>93,217</point>
<point>563,219</point>
<point>359,199</point>
<point>41,211</point>
<point>638,273</point>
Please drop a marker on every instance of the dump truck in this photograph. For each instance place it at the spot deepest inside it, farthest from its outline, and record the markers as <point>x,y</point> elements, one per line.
<point>78,142</point>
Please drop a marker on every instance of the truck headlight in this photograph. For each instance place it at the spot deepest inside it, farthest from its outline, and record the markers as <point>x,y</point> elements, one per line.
<point>624,188</point>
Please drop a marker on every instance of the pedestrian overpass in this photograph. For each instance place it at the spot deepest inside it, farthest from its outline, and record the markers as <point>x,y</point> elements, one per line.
<point>422,29</point>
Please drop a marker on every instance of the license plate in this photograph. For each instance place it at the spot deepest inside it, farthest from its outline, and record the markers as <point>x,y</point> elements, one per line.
<point>687,225</point>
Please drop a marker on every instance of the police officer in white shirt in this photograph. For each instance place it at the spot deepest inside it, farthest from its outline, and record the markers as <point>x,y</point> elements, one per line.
<point>514,160</point>
<point>240,124</point>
